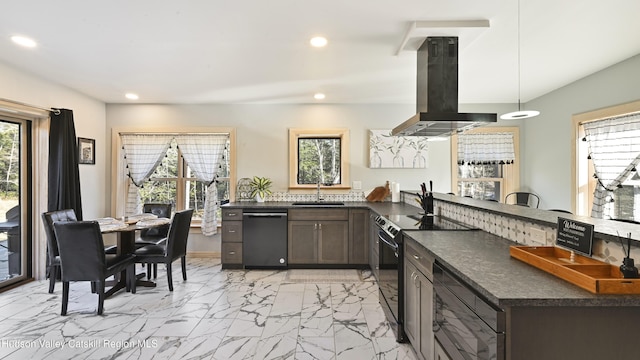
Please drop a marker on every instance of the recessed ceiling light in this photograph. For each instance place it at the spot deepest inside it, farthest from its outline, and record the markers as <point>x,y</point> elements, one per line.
<point>319,96</point>
<point>131,96</point>
<point>318,41</point>
<point>23,41</point>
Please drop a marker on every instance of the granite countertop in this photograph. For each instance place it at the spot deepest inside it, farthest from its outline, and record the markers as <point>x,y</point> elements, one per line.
<point>482,260</point>
<point>381,208</point>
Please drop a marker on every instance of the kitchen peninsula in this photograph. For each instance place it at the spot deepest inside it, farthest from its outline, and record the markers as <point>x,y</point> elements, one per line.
<point>543,317</point>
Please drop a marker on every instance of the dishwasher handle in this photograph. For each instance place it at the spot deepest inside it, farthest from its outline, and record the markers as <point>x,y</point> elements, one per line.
<point>265,214</point>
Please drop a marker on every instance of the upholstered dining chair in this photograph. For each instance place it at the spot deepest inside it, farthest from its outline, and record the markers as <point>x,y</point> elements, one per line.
<point>53,258</point>
<point>82,258</point>
<point>156,235</point>
<point>175,248</point>
<point>523,199</point>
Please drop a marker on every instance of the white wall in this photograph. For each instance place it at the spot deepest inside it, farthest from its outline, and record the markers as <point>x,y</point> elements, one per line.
<point>262,136</point>
<point>546,140</point>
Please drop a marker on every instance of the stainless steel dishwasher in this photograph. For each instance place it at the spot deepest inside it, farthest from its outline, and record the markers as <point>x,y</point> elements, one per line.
<point>264,238</point>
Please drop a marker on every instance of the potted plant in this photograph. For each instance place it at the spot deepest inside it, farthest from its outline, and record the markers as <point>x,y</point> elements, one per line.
<point>260,188</point>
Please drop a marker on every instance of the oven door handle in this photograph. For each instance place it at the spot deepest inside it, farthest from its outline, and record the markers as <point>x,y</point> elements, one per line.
<point>392,245</point>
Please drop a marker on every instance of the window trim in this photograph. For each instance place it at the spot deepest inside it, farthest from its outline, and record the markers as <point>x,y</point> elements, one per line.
<point>582,183</point>
<point>295,134</point>
<point>510,174</point>
<point>118,177</point>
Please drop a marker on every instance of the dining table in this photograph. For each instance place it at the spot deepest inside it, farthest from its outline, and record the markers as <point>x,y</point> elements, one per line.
<point>126,228</point>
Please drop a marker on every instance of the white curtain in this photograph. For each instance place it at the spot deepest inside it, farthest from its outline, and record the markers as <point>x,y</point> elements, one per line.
<point>203,153</point>
<point>486,148</point>
<point>614,148</point>
<point>143,153</point>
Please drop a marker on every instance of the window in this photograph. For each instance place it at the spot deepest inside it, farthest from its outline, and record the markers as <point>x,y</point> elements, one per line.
<point>14,192</point>
<point>486,180</point>
<point>619,196</point>
<point>480,181</point>
<point>319,160</point>
<point>173,181</point>
<point>318,155</point>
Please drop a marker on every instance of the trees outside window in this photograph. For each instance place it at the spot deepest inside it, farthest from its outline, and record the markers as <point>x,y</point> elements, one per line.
<point>318,155</point>
<point>319,161</point>
<point>173,182</point>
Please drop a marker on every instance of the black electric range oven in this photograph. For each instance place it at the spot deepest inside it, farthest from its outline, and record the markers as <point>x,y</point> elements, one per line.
<point>391,263</point>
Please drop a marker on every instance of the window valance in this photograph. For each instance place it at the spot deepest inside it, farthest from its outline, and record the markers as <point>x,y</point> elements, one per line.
<point>485,149</point>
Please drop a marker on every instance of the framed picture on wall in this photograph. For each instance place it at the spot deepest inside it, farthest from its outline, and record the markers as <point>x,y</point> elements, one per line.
<point>386,151</point>
<point>86,151</point>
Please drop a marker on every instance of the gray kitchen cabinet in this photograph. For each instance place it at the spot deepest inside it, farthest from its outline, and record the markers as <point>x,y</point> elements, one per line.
<point>418,301</point>
<point>302,242</point>
<point>318,236</point>
<point>358,236</point>
<point>231,238</point>
<point>333,242</point>
<point>374,243</point>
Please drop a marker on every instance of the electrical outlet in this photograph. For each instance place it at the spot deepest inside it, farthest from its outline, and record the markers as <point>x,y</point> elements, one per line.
<point>357,185</point>
<point>538,236</point>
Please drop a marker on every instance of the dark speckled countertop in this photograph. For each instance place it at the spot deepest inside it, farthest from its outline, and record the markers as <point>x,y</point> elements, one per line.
<point>482,260</point>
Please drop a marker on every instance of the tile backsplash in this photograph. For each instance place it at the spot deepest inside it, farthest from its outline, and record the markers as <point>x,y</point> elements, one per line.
<point>289,197</point>
<point>523,232</point>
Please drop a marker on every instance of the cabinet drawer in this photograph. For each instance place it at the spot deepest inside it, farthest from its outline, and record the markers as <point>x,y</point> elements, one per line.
<point>231,253</point>
<point>231,231</point>
<point>231,214</point>
<point>419,257</point>
<point>319,214</point>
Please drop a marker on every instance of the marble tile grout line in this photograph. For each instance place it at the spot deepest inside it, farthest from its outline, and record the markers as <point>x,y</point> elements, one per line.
<point>215,314</point>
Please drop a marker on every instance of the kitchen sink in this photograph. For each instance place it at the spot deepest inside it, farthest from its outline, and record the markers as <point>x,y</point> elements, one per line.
<point>318,203</point>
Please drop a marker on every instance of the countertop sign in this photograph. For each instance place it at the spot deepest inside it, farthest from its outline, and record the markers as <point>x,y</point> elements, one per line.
<point>575,235</point>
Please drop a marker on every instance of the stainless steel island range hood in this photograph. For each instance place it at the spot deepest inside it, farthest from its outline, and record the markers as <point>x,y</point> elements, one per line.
<point>437,93</point>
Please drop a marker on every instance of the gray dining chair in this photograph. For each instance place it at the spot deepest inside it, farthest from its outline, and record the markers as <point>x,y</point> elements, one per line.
<point>522,198</point>
<point>175,248</point>
<point>82,258</point>
<point>53,256</point>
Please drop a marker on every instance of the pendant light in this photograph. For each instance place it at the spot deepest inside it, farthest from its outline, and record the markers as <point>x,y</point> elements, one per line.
<point>520,114</point>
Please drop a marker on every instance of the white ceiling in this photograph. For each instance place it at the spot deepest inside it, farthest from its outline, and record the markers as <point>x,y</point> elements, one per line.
<point>256,51</point>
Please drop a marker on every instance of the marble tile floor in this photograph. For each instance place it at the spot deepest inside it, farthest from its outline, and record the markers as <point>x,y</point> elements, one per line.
<point>215,314</point>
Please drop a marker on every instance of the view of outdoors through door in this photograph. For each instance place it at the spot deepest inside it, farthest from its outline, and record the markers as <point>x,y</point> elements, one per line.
<point>12,164</point>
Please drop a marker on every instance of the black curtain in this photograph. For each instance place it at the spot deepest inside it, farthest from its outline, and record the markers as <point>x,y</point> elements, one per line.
<point>64,178</point>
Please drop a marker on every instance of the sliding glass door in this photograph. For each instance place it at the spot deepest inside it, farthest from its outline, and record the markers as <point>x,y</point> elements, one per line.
<point>14,200</point>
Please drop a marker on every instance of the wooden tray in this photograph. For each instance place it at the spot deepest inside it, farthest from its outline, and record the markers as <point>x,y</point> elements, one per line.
<point>593,275</point>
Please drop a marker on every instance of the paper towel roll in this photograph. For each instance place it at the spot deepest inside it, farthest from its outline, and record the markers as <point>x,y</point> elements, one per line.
<point>395,192</point>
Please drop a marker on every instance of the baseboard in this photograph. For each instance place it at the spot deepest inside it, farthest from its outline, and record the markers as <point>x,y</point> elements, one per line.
<point>204,254</point>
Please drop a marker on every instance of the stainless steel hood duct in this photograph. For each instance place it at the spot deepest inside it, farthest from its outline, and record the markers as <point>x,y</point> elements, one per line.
<point>437,93</point>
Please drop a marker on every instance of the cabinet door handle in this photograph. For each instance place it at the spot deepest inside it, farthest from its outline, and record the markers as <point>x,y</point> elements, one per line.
<point>232,252</point>
<point>416,257</point>
<point>315,226</point>
<point>232,231</point>
<point>232,214</point>
<point>320,226</point>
